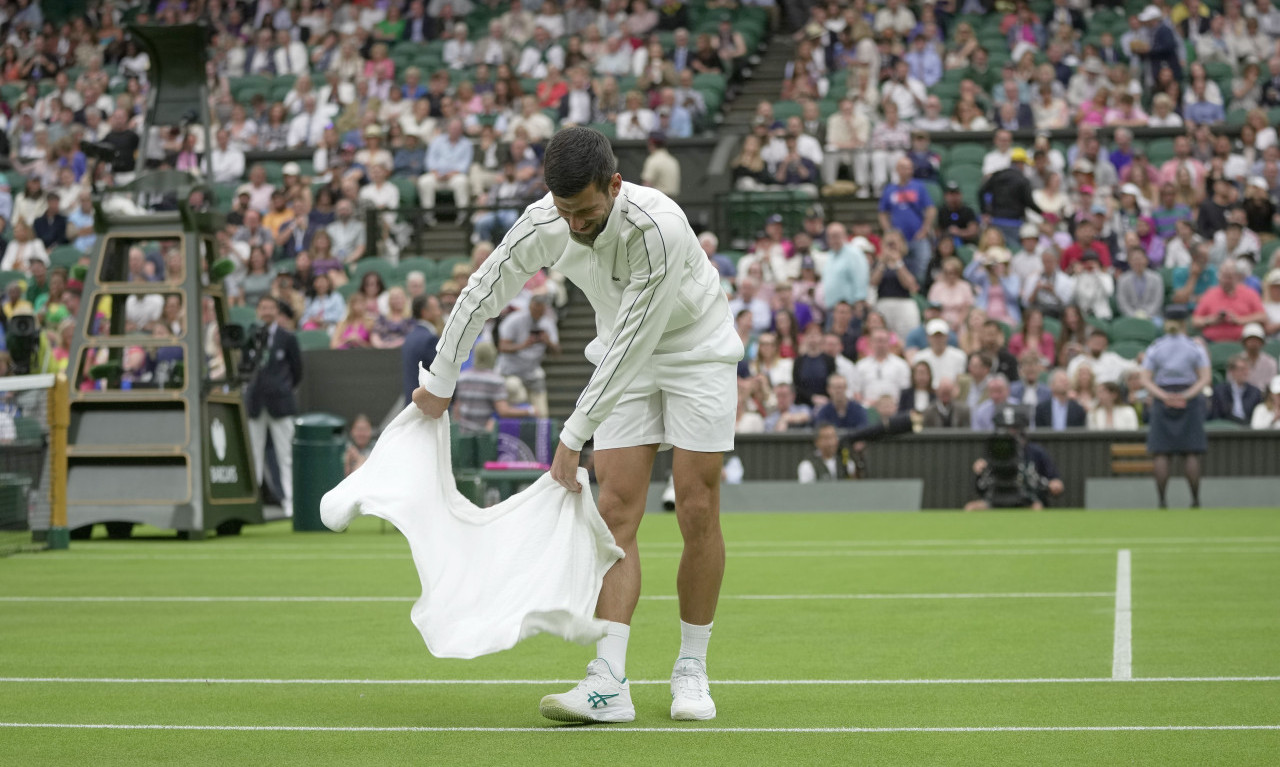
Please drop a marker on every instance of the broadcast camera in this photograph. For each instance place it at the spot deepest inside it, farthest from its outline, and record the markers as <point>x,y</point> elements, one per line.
<point>252,344</point>
<point>1006,456</point>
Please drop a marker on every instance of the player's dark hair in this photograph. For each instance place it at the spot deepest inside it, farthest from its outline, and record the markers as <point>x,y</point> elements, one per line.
<point>575,159</point>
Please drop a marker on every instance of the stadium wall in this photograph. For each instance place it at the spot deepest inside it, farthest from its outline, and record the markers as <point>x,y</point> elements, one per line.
<point>352,381</point>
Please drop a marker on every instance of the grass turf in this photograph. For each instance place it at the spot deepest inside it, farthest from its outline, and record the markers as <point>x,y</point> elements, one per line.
<point>900,597</point>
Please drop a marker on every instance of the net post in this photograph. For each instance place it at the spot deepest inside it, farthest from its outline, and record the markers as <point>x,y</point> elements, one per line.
<point>59,413</point>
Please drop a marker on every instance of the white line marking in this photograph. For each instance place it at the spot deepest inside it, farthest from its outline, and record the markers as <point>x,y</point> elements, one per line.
<point>1122,654</point>
<point>623,728</point>
<point>735,682</point>
<point>653,598</point>
<point>396,559</point>
<point>399,542</point>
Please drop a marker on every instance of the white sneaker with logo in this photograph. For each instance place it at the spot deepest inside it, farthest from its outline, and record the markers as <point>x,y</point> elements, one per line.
<point>691,692</point>
<point>601,697</point>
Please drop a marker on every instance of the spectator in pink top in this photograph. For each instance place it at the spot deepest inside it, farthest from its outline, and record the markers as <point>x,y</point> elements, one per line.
<point>1224,310</point>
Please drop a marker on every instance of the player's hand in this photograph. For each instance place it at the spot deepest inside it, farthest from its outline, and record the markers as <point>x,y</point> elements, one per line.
<point>979,465</point>
<point>430,405</point>
<point>564,468</point>
<point>1056,487</point>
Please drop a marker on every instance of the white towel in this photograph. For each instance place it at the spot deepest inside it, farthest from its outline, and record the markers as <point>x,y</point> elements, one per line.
<point>490,577</point>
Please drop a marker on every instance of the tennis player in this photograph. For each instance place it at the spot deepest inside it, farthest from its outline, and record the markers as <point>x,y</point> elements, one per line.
<point>665,356</point>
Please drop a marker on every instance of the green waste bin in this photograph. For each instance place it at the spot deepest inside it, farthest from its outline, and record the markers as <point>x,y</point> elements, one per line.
<point>318,445</point>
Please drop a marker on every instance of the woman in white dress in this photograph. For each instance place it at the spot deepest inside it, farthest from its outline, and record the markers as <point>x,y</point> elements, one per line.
<point>1112,413</point>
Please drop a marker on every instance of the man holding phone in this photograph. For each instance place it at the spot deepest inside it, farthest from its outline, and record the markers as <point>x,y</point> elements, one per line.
<point>524,338</point>
<point>1224,310</point>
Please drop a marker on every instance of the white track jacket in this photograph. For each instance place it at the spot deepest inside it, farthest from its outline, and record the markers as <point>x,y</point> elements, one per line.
<point>653,289</point>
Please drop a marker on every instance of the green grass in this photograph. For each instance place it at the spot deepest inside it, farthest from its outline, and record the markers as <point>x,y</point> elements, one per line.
<point>1205,606</point>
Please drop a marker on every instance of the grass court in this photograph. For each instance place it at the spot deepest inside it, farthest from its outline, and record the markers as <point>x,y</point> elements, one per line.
<point>936,638</point>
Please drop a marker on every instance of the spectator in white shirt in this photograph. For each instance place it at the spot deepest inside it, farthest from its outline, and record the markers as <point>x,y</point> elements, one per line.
<point>540,53</point>
<point>458,50</point>
<point>448,161</point>
<point>616,58</point>
<point>290,56</point>
<point>1108,367</point>
<point>998,158</point>
<point>944,360</point>
<point>494,50</point>
<point>307,128</point>
<point>883,372</point>
<point>227,161</point>
<point>537,125</point>
<point>749,299</point>
<point>905,91</point>
<point>636,122</point>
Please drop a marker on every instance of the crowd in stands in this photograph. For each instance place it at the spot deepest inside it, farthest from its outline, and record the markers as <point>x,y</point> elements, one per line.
<point>1028,272</point>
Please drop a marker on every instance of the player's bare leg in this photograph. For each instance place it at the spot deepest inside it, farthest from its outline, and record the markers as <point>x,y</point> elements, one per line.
<point>623,474</point>
<point>605,696</point>
<point>697,480</point>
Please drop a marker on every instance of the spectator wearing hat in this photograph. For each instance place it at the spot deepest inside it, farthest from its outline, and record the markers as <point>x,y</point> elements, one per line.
<point>1262,366</point>
<point>996,290</point>
<point>661,169</point>
<point>1266,415</point>
<point>944,359</point>
<point>1157,44</point>
<point>1235,398</point>
<point>1224,309</point>
<point>1005,197</point>
<point>955,219</point>
<point>1259,211</point>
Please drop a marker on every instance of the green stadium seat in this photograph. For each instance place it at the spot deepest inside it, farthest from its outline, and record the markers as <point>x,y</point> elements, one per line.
<point>416,264</point>
<point>1267,251</point>
<point>28,429</point>
<point>11,275</point>
<point>408,189</point>
<point>243,315</point>
<point>1272,348</point>
<point>1159,150</point>
<point>1133,329</point>
<point>385,269</point>
<point>64,256</point>
<point>1221,353</point>
<point>346,290</point>
<point>1052,326</point>
<point>784,109</point>
<point>967,154</point>
<point>312,339</point>
<point>1129,349</point>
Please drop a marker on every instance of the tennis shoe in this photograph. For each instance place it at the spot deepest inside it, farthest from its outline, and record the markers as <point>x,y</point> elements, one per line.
<point>601,697</point>
<point>691,692</point>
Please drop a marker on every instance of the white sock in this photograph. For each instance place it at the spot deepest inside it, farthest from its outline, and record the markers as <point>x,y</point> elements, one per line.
<point>612,647</point>
<point>693,641</point>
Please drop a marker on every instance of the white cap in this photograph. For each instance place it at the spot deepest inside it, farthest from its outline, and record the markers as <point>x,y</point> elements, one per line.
<point>1028,231</point>
<point>1253,330</point>
<point>998,254</point>
<point>1275,385</point>
<point>1259,182</point>
<point>1150,13</point>
<point>291,169</point>
<point>864,245</point>
<point>1131,189</point>
<point>933,327</point>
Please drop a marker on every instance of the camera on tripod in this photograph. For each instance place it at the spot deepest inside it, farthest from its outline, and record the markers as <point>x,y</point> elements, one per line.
<point>252,344</point>
<point>1006,458</point>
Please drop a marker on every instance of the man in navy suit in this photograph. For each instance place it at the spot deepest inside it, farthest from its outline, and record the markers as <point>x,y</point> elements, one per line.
<point>1028,390</point>
<point>1235,398</point>
<point>1060,411</point>
<point>270,400</point>
<point>420,345</point>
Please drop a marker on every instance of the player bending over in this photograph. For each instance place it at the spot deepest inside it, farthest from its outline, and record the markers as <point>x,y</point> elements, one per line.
<point>665,355</point>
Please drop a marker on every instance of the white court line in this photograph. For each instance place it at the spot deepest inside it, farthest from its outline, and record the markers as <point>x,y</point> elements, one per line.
<point>653,598</point>
<point>623,728</point>
<point>731,682</point>
<point>396,558</point>
<point>399,542</point>
<point>1122,653</point>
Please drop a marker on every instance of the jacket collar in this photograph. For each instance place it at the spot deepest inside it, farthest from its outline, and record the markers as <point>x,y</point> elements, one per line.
<point>613,225</point>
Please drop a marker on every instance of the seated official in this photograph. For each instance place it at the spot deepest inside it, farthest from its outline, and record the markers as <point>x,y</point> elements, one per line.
<point>829,461</point>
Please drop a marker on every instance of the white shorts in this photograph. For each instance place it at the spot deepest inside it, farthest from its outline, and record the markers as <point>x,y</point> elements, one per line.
<point>691,405</point>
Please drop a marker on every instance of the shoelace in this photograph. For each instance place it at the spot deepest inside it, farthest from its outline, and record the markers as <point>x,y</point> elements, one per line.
<point>691,684</point>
